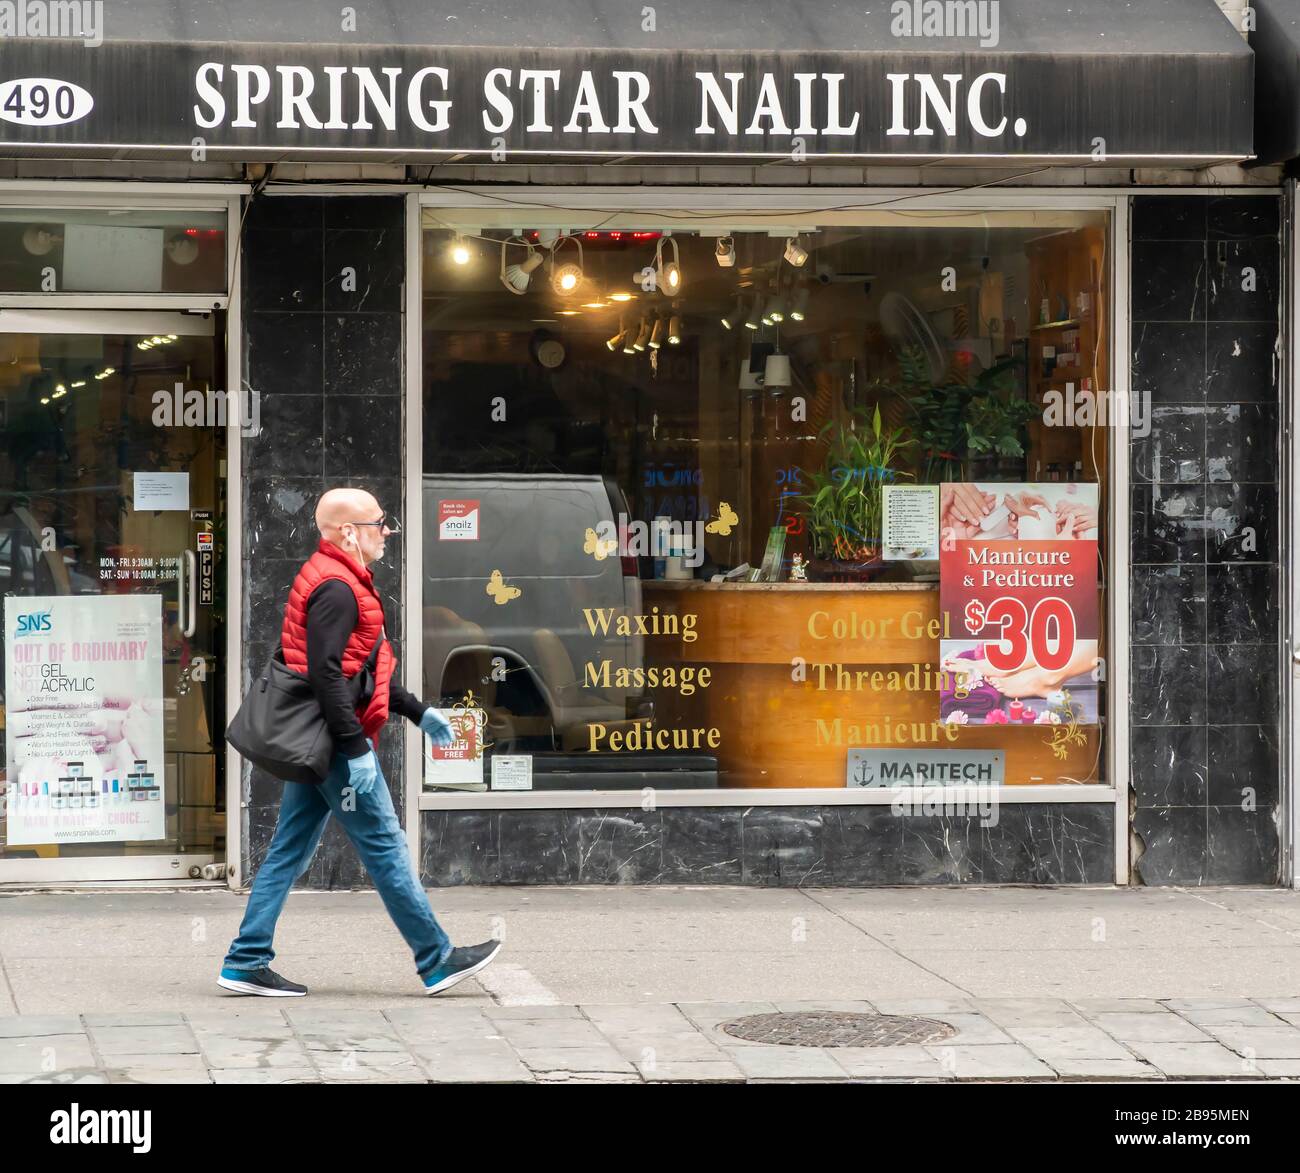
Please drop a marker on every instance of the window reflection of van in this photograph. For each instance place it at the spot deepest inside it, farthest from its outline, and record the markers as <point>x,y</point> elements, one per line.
<point>532,528</point>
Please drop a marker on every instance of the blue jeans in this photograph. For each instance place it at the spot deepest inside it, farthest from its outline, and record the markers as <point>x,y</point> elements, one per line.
<point>376,834</point>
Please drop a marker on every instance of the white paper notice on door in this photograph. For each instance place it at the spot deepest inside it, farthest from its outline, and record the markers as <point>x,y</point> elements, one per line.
<point>160,490</point>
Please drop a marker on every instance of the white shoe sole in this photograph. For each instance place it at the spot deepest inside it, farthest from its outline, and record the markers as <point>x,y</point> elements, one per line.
<point>454,978</point>
<point>249,988</point>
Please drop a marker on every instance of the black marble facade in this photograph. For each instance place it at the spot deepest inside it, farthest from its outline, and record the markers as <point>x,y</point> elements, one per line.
<point>322,318</point>
<point>1205,625</point>
<point>815,846</point>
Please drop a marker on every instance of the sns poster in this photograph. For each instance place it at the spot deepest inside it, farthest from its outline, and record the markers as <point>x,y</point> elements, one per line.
<point>1018,596</point>
<point>84,719</point>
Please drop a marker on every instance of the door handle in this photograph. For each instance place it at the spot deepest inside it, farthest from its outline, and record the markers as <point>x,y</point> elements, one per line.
<point>192,622</point>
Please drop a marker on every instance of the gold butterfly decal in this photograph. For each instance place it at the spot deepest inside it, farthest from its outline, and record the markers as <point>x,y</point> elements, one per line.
<point>598,548</point>
<point>727,517</point>
<point>501,594</point>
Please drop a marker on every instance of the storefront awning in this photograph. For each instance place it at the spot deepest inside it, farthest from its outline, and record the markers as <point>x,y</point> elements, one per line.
<point>1106,81</point>
<point>1276,41</point>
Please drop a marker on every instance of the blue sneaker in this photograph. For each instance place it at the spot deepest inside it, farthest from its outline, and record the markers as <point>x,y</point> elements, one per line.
<point>264,981</point>
<point>460,964</point>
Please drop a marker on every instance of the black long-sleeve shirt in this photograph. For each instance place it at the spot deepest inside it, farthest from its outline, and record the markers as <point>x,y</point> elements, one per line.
<point>331,619</point>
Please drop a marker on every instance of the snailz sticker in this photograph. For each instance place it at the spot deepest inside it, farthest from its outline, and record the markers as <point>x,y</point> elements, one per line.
<point>458,521</point>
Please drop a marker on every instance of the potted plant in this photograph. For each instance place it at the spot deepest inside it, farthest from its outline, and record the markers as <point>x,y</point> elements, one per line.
<point>965,422</point>
<point>843,508</point>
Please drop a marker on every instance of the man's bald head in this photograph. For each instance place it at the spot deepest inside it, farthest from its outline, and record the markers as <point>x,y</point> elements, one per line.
<point>349,519</point>
<point>337,506</point>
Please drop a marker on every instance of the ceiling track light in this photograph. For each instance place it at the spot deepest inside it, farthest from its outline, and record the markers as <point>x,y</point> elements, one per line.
<point>657,334</point>
<point>565,279</point>
<point>736,317</point>
<point>668,277</point>
<point>752,318</point>
<point>795,253</point>
<point>774,311</point>
<point>617,341</point>
<point>675,330</point>
<point>516,277</point>
<point>642,336</point>
<point>725,252</point>
<point>799,307</point>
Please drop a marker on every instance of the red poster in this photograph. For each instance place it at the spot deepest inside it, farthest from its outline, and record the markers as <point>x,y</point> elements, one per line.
<point>1018,601</point>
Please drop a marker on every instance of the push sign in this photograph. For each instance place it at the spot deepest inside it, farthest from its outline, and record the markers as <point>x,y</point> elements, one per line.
<point>204,544</point>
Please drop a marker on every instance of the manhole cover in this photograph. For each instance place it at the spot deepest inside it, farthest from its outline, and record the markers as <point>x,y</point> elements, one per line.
<point>837,1028</point>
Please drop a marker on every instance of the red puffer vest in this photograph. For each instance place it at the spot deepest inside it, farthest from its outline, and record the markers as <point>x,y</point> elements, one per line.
<point>331,562</point>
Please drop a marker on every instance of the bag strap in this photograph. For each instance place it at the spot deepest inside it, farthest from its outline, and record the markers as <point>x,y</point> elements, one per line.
<point>373,658</point>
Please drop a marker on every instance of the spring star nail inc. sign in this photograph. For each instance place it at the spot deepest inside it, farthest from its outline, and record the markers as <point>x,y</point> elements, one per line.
<point>888,97</point>
<point>84,719</point>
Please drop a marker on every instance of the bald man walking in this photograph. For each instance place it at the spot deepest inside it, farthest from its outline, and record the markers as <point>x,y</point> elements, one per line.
<point>333,621</point>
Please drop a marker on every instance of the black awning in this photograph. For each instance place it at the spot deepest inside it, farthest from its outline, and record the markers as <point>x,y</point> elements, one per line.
<point>1105,81</point>
<point>1276,41</point>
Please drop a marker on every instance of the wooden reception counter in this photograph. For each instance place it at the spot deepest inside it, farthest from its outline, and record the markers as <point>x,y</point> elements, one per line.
<point>801,672</point>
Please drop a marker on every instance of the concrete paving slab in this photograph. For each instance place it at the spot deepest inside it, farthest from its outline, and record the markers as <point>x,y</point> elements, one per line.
<point>924,1006</point>
<point>902,1062</point>
<point>527,1034</point>
<point>69,1078</point>
<point>624,1019</point>
<point>574,1060</point>
<point>1279,1005</point>
<point>997,1061</point>
<point>1259,1042</point>
<point>1090,1007</point>
<point>1196,1060</point>
<point>711,1071</point>
<point>34,1025</point>
<point>1279,1068</point>
<point>265,1075</point>
<point>154,1075</point>
<point>1052,1043</point>
<point>155,1018</point>
<point>249,1053</point>
<point>643,1049</point>
<point>1151,1028</point>
<point>767,1062</point>
<point>1246,1015</point>
<point>141,1040</point>
<point>1103,1070</point>
<point>972,1030</point>
<point>46,1053</point>
<point>1028,1012</point>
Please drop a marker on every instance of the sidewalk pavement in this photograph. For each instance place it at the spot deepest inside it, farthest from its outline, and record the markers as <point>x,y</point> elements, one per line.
<point>631,984</point>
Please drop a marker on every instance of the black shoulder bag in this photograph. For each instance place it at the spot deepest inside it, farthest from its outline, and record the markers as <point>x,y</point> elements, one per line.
<point>280,726</point>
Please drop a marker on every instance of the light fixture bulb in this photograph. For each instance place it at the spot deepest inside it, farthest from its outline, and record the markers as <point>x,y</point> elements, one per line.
<point>795,253</point>
<point>617,341</point>
<point>775,310</point>
<point>725,252</point>
<point>460,251</point>
<point>675,330</point>
<point>620,297</point>
<point>668,275</point>
<point>657,334</point>
<point>642,336</point>
<point>751,321</point>
<point>516,277</point>
<point>799,309</point>
<point>567,278</point>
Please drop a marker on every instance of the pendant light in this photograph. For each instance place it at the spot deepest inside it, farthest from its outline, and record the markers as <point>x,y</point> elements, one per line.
<point>565,279</point>
<point>657,334</point>
<point>516,277</point>
<point>642,336</point>
<point>795,253</point>
<point>675,330</point>
<point>668,277</point>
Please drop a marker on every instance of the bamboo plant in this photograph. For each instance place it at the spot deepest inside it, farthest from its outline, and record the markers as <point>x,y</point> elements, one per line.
<point>843,507</point>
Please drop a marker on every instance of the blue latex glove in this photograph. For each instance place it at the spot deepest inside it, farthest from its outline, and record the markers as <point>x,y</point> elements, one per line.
<point>433,725</point>
<point>363,772</point>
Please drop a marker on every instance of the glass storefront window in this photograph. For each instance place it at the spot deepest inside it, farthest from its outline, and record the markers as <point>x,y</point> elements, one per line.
<point>815,508</point>
<point>94,250</point>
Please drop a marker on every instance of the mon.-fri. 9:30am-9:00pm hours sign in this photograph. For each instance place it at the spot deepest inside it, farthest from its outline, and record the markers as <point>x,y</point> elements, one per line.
<point>84,719</point>
<point>1018,595</point>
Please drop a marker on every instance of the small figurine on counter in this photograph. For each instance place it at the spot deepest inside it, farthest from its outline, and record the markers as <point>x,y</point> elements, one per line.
<point>798,569</point>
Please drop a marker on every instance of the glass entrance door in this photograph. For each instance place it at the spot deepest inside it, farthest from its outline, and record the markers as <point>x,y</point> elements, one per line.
<point>112,529</point>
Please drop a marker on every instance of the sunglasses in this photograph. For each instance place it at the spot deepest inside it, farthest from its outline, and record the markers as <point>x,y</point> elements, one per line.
<point>391,523</point>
